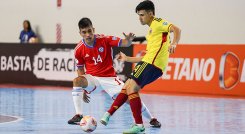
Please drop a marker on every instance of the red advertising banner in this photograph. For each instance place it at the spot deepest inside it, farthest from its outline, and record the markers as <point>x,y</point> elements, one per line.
<point>202,69</point>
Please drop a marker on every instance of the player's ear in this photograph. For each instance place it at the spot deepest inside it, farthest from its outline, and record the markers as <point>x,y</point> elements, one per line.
<point>151,13</point>
<point>80,32</point>
<point>94,30</point>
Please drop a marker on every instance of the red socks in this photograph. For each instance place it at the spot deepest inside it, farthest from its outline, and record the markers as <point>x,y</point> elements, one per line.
<point>119,101</point>
<point>134,101</point>
<point>135,104</point>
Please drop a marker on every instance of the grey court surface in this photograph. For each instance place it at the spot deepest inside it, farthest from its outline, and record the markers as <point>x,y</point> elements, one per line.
<point>41,111</point>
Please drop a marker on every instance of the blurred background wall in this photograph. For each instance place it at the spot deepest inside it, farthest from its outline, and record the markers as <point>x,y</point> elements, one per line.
<point>201,21</point>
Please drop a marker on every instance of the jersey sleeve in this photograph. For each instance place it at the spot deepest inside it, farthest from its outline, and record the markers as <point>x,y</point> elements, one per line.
<point>165,26</point>
<point>114,41</point>
<point>79,59</point>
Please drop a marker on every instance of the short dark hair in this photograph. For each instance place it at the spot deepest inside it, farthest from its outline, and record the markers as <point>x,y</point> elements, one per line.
<point>146,5</point>
<point>84,22</point>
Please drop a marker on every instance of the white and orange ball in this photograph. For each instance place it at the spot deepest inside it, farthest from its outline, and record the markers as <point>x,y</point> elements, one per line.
<point>88,123</point>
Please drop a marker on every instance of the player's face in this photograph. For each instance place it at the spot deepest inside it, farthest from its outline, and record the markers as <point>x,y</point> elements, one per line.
<point>87,34</point>
<point>145,16</point>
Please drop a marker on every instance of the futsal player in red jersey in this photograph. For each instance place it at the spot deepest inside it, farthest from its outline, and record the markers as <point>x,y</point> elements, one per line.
<point>95,68</point>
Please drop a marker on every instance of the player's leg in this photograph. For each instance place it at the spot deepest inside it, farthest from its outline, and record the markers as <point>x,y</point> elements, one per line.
<point>121,98</point>
<point>134,98</point>
<point>81,83</point>
<point>113,88</point>
<point>145,111</point>
<point>139,78</point>
<point>136,106</point>
<point>147,114</point>
<point>78,84</point>
<point>135,103</point>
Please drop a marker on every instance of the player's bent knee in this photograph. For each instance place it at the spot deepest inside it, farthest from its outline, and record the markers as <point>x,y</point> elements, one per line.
<point>133,88</point>
<point>130,91</point>
<point>76,82</point>
<point>80,82</point>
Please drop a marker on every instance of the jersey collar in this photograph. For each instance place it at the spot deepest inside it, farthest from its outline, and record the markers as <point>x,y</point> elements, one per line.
<point>89,45</point>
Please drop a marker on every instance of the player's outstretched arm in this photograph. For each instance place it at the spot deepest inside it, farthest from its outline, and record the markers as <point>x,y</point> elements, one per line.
<point>128,39</point>
<point>177,33</point>
<point>122,57</point>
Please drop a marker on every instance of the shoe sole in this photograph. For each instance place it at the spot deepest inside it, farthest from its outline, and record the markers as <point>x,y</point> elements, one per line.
<point>74,123</point>
<point>155,126</point>
<point>103,122</point>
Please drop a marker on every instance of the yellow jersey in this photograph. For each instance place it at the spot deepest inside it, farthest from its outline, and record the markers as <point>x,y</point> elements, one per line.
<point>158,41</point>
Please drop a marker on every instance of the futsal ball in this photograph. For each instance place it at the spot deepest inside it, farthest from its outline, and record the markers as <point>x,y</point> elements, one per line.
<point>88,123</point>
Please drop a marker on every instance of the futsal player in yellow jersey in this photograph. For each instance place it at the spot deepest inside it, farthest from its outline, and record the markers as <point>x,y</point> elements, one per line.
<point>150,67</point>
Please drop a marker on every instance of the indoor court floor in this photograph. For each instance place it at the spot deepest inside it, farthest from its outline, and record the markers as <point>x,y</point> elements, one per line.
<point>46,111</point>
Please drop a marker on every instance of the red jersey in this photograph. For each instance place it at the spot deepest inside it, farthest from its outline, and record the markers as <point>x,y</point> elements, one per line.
<point>97,59</point>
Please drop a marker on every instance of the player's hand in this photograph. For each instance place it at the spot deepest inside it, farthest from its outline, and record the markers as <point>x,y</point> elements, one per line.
<point>121,57</point>
<point>86,98</point>
<point>129,36</point>
<point>171,48</point>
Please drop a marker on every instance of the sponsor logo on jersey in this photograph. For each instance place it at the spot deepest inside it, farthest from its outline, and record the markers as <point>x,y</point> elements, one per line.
<point>101,49</point>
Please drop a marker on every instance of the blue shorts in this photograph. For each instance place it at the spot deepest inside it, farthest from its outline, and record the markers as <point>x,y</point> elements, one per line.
<point>145,73</point>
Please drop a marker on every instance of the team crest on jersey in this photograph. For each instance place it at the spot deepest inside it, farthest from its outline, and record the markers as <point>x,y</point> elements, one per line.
<point>114,38</point>
<point>165,23</point>
<point>101,49</point>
